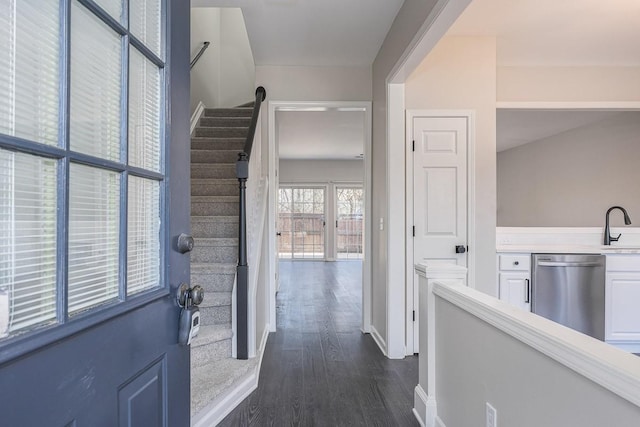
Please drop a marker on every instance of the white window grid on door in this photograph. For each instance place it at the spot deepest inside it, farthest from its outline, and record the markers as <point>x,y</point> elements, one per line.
<point>82,154</point>
<point>349,238</point>
<point>302,222</point>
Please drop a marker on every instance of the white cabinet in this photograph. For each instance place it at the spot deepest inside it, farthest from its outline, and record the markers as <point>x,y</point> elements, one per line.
<point>622,311</point>
<point>514,275</point>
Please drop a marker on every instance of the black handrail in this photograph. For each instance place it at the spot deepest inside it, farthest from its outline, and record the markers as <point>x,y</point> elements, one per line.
<point>242,282</point>
<point>204,47</point>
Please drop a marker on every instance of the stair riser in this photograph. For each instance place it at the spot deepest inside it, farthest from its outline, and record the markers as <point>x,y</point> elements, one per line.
<point>222,132</point>
<point>214,156</point>
<point>211,352</point>
<point>214,208</point>
<point>215,189</point>
<point>214,229</point>
<point>235,122</point>
<point>215,315</point>
<point>217,254</point>
<point>228,112</point>
<point>236,144</point>
<point>213,282</point>
<point>213,171</point>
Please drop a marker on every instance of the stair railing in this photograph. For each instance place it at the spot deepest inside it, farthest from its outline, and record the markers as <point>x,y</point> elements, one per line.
<point>242,278</point>
<point>204,47</point>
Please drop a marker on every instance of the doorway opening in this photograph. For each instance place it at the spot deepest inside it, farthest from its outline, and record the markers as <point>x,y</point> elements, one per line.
<point>320,174</point>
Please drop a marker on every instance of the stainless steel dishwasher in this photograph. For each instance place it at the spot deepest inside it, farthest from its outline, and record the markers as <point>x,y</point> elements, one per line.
<point>569,289</point>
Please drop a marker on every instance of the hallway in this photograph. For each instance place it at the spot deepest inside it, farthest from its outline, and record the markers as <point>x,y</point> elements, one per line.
<point>318,368</point>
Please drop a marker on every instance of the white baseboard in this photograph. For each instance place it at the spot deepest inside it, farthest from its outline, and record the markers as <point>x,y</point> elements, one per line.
<point>217,410</point>
<point>379,340</point>
<point>425,408</point>
<point>196,116</point>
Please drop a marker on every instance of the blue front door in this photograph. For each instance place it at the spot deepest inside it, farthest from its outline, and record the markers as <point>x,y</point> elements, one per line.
<point>94,160</point>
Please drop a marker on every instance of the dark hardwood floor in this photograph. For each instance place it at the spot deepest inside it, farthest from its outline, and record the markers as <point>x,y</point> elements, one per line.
<point>318,368</point>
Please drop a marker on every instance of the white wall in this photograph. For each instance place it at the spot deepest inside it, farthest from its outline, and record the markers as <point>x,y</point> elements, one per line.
<point>321,171</point>
<point>237,69</point>
<point>224,76</point>
<point>571,179</point>
<point>568,84</point>
<point>477,363</point>
<point>406,25</point>
<point>205,76</point>
<point>460,73</point>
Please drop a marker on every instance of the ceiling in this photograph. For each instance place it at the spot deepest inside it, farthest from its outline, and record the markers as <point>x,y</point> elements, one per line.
<point>330,134</point>
<point>556,32</point>
<point>519,127</point>
<point>314,32</point>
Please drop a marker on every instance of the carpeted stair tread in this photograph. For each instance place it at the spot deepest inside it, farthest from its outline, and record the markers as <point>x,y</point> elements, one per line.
<point>211,267</point>
<point>218,170</point>
<point>216,299</point>
<point>225,121</point>
<point>211,333</point>
<point>210,143</point>
<point>211,380</point>
<point>228,112</point>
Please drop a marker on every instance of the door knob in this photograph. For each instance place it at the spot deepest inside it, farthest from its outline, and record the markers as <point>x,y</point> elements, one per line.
<point>190,296</point>
<point>185,243</point>
<point>460,249</point>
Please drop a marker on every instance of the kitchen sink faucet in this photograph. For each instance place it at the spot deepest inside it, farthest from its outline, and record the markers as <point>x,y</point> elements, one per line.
<point>607,234</point>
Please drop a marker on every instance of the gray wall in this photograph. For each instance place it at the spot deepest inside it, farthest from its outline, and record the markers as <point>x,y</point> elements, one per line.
<point>321,171</point>
<point>477,363</point>
<point>410,18</point>
<point>570,179</point>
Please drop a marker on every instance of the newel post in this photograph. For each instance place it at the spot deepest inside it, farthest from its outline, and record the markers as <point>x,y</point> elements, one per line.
<point>242,284</point>
<point>425,406</point>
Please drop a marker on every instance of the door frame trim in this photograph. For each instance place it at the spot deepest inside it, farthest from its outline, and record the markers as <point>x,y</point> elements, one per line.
<point>272,166</point>
<point>411,290</point>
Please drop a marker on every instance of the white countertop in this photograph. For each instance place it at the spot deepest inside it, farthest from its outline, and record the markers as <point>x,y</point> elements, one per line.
<point>569,249</point>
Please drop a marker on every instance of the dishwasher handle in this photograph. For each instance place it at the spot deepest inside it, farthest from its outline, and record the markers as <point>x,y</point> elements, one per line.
<point>568,264</point>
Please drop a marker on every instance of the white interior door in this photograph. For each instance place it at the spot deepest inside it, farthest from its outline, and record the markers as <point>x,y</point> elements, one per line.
<point>440,146</point>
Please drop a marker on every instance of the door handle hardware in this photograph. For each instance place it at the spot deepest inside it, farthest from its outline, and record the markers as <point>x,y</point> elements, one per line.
<point>527,291</point>
<point>460,249</point>
<point>185,243</point>
<point>189,296</point>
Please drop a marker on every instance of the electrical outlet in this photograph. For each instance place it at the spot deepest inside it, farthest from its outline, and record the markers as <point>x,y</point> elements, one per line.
<point>491,416</point>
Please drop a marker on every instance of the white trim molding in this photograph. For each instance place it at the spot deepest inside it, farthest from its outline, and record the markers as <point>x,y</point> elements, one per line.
<point>601,363</point>
<point>587,105</point>
<point>382,345</point>
<point>195,117</point>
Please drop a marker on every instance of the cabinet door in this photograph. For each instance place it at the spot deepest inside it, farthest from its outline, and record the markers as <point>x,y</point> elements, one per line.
<point>515,288</point>
<point>622,320</point>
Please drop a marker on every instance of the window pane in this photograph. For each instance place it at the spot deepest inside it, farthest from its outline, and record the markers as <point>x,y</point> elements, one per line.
<point>94,226</point>
<point>95,86</point>
<point>145,18</point>
<point>29,69</point>
<point>144,113</point>
<point>112,7</point>
<point>143,239</point>
<point>27,241</point>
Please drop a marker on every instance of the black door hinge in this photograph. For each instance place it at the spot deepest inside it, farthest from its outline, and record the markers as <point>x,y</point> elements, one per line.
<point>414,315</point>
<point>414,231</point>
<point>413,145</point>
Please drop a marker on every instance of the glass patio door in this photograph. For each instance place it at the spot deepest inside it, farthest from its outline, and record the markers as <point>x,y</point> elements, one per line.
<point>301,222</point>
<point>349,222</point>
